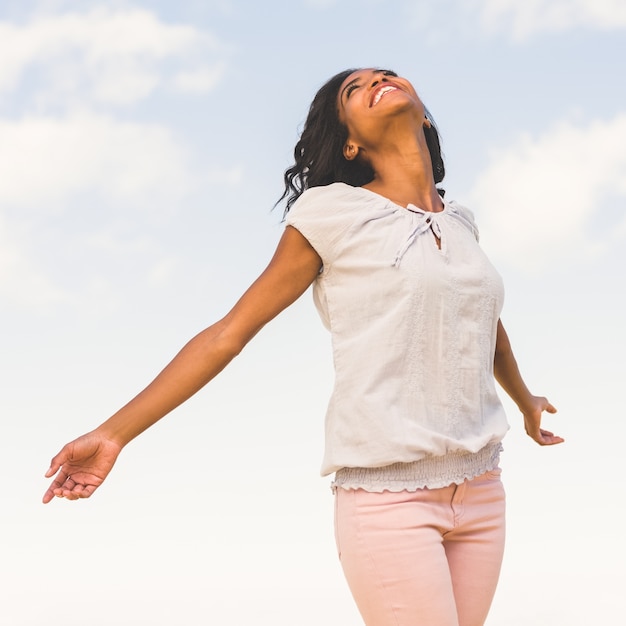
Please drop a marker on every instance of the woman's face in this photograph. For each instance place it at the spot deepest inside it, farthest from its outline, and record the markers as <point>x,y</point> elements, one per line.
<point>368,98</point>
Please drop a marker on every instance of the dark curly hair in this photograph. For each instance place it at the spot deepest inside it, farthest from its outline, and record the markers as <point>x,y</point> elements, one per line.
<point>318,155</point>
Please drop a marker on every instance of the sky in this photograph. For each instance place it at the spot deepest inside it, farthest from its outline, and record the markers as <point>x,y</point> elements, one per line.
<point>142,147</point>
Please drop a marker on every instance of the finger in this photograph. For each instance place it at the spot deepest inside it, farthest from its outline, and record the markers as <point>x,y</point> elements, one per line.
<point>88,491</point>
<point>62,482</point>
<point>51,494</point>
<point>69,495</point>
<point>550,439</point>
<point>58,482</point>
<point>82,491</point>
<point>48,496</point>
<point>68,489</point>
<point>555,439</point>
<point>550,408</point>
<point>56,463</point>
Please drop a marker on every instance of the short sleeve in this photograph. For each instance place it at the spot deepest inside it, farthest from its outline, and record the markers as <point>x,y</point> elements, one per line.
<point>467,216</point>
<point>323,215</point>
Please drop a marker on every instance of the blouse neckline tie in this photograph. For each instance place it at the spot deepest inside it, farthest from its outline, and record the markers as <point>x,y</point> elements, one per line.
<point>427,220</point>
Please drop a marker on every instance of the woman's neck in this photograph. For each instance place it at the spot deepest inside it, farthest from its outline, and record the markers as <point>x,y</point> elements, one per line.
<point>403,173</point>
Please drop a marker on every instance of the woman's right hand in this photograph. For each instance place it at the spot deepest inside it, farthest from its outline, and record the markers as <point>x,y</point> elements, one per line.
<point>81,467</point>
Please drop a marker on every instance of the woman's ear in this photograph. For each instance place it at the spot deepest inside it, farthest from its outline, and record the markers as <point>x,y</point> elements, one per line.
<point>350,152</point>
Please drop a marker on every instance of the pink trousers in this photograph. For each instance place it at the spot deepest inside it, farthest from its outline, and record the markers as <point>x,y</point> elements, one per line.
<point>425,558</point>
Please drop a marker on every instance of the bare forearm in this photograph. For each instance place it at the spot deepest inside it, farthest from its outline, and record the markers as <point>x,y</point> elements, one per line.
<point>193,367</point>
<point>532,407</point>
<point>506,371</point>
<point>292,269</point>
<point>83,464</point>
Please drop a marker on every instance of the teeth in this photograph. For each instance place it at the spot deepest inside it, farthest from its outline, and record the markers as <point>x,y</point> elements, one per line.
<point>381,93</point>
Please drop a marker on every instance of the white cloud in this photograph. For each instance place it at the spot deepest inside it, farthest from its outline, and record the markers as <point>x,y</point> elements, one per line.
<point>540,197</point>
<point>524,18</point>
<point>518,19</point>
<point>111,56</point>
<point>45,160</point>
<point>198,80</point>
<point>53,165</point>
<point>56,168</point>
<point>63,68</point>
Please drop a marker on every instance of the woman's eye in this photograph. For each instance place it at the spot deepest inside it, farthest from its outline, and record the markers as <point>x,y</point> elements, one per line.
<point>350,89</point>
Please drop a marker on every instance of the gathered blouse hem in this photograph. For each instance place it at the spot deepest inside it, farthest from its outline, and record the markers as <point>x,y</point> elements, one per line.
<point>431,472</point>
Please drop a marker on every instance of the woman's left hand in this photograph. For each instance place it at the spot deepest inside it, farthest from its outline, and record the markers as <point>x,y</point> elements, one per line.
<point>532,421</point>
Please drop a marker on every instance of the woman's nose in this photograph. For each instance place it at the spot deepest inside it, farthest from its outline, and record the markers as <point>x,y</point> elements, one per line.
<point>378,80</point>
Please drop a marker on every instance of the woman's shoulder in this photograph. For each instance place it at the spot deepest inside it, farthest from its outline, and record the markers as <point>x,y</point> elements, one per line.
<point>334,201</point>
<point>333,193</point>
<point>324,215</point>
<point>456,206</point>
<point>465,215</point>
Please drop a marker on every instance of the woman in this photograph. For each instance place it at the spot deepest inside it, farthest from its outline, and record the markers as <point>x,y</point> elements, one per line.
<point>414,424</point>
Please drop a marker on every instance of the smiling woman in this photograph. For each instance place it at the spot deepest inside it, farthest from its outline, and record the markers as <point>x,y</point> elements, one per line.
<point>414,425</point>
<point>319,154</point>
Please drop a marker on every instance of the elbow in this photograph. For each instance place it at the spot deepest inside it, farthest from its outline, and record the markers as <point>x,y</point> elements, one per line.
<point>229,341</point>
<point>228,346</point>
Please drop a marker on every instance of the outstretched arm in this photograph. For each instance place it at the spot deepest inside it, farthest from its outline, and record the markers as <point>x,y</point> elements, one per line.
<point>532,407</point>
<point>83,464</point>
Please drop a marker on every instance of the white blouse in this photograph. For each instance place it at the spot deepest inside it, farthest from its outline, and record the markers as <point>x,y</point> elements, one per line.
<point>412,304</point>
